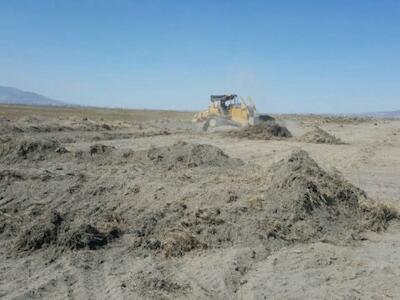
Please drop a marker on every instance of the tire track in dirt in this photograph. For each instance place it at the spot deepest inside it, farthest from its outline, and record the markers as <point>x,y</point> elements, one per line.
<point>85,281</point>
<point>35,283</point>
<point>95,277</point>
<point>114,270</point>
<point>363,157</point>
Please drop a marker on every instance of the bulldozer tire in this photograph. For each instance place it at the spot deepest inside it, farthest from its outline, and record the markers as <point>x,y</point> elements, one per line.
<point>210,123</point>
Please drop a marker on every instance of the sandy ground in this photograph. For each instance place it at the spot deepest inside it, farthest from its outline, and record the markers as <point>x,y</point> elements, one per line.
<point>146,195</point>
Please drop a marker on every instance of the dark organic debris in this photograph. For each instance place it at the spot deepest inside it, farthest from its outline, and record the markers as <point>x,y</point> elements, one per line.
<point>378,216</point>
<point>86,236</point>
<point>54,230</point>
<point>100,149</point>
<point>263,131</point>
<point>28,149</point>
<point>41,234</point>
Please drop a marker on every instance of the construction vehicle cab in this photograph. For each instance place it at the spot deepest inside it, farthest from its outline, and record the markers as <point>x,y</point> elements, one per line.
<point>229,107</point>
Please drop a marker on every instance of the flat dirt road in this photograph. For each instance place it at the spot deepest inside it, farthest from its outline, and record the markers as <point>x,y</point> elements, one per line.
<point>99,204</point>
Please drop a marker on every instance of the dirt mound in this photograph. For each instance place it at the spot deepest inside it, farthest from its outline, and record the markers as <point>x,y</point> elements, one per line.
<point>319,136</point>
<point>189,155</point>
<point>87,236</point>
<point>186,222</point>
<point>177,242</point>
<point>54,230</point>
<point>43,233</point>
<point>40,124</point>
<point>304,202</point>
<point>4,120</point>
<point>36,124</point>
<point>294,201</point>
<point>29,149</point>
<point>263,131</point>
<point>205,202</point>
<point>8,127</point>
<point>100,149</point>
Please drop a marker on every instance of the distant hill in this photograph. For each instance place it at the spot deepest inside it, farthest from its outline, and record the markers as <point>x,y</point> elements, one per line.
<point>395,114</point>
<point>10,95</point>
<point>385,114</point>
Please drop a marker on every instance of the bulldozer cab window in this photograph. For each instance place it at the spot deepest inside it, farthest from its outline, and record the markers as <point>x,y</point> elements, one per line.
<point>224,103</point>
<point>224,107</point>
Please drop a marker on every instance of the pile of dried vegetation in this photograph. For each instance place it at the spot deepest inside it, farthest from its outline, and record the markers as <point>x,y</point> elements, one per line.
<point>319,136</point>
<point>180,198</point>
<point>263,131</point>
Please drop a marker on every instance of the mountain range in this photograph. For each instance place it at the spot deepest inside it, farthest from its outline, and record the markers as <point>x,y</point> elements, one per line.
<point>10,95</point>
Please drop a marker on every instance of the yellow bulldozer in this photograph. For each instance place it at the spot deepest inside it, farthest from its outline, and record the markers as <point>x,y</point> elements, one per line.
<point>229,110</point>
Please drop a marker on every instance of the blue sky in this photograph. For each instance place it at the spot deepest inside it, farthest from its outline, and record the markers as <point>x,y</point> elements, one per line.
<point>290,56</point>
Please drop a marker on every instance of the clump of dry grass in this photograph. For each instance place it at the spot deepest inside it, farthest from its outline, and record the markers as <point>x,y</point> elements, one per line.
<point>113,222</point>
<point>378,215</point>
<point>177,242</point>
